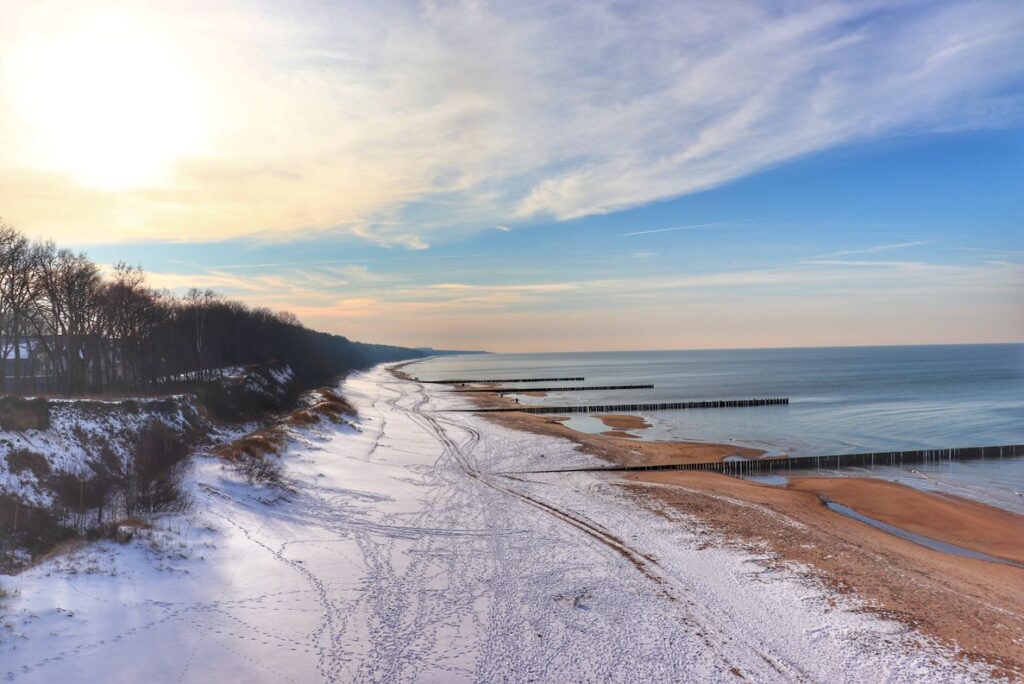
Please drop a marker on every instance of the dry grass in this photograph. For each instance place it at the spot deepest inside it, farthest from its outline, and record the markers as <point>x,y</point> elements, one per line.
<point>326,404</point>
<point>135,523</point>
<point>269,440</point>
<point>264,442</point>
<point>123,531</point>
<point>256,455</point>
<point>302,417</point>
<point>63,548</point>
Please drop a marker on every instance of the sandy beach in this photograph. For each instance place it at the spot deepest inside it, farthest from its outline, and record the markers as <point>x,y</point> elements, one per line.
<point>976,605</point>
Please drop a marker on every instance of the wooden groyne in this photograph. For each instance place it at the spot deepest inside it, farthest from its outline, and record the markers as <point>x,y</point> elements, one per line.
<point>519,390</point>
<point>471,382</point>
<point>780,465</point>
<point>638,408</point>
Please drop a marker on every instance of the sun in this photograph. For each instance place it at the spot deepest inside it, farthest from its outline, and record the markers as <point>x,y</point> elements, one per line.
<point>108,101</point>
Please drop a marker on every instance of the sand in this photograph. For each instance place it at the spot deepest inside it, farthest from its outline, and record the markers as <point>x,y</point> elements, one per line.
<point>975,605</point>
<point>624,422</point>
<point>616,447</point>
<point>953,520</point>
<point>620,434</point>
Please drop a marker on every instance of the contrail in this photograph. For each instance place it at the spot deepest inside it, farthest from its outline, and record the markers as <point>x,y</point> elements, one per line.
<point>689,227</point>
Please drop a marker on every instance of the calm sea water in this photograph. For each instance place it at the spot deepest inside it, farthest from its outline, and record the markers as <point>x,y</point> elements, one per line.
<point>842,400</point>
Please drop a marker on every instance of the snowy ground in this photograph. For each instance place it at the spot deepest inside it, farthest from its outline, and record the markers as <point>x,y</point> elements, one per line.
<point>404,554</point>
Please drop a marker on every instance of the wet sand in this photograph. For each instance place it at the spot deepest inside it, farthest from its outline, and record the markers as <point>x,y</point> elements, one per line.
<point>953,520</point>
<point>621,434</point>
<point>975,605</point>
<point>620,447</point>
<point>624,422</point>
<point>616,446</point>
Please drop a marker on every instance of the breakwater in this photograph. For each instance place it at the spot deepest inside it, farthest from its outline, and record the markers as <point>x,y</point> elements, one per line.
<point>519,390</point>
<point>471,382</point>
<point>637,408</point>
<point>776,465</point>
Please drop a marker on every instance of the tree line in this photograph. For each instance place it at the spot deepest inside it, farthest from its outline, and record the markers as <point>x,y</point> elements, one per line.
<point>67,327</point>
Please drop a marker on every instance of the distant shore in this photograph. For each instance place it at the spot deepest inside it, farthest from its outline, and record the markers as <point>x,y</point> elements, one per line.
<point>974,604</point>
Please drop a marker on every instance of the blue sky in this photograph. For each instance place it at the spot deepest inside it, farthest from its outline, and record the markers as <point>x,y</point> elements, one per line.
<point>830,230</point>
<point>539,176</point>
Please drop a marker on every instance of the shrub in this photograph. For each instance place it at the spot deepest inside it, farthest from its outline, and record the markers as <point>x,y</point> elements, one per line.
<point>153,480</point>
<point>262,470</point>
<point>17,415</point>
<point>25,527</point>
<point>20,460</point>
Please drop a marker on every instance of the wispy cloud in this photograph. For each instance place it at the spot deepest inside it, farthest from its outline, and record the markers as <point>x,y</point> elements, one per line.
<point>570,313</point>
<point>901,265</point>
<point>350,118</point>
<point>1004,252</point>
<point>874,250</point>
<point>358,274</point>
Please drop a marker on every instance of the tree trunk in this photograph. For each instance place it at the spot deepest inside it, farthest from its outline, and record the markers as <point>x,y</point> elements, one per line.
<point>17,358</point>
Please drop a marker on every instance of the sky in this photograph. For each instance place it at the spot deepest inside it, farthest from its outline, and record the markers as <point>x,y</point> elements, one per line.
<point>538,176</point>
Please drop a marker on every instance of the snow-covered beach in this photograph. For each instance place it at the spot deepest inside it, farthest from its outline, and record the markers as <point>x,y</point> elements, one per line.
<point>412,547</point>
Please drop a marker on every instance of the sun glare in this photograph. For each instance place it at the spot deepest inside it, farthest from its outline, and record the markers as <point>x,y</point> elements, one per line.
<point>108,102</point>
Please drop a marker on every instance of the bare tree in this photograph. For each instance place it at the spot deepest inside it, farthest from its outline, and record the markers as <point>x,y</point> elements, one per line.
<point>9,238</point>
<point>89,333</point>
<point>198,304</point>
<point>71,285</point>
<point>19,292</point>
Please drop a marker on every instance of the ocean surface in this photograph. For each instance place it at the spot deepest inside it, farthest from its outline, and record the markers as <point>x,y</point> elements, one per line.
<point>842,400</point>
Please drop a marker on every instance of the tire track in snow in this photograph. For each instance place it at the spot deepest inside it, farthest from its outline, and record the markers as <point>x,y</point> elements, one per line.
<point>644,563</point>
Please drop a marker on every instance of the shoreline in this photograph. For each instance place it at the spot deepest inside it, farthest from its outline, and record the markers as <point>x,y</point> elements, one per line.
<point>944,595</point>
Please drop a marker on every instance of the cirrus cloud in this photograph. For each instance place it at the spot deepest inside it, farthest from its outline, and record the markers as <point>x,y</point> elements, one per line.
<point>408,123</point>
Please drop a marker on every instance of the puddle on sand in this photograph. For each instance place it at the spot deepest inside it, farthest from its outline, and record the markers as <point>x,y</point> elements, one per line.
<point>927,542</point>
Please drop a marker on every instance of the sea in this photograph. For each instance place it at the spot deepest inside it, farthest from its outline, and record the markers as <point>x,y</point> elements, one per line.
<point>841,400</point>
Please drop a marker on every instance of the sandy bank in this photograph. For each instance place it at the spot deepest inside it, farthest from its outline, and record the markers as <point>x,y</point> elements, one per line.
<point>957,521</point>
<point>624,422</point>
<point>617,445</point>
<point>622,434</point>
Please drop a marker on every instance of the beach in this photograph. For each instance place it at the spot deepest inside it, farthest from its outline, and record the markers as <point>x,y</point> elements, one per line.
<point>974,605</point>
<point>417,541</point>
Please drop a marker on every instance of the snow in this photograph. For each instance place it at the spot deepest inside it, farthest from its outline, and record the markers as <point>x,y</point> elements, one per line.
<point>78,432</point>
<point>282,375</point>
<point>226,372</point>
<point>272,386</point>
<point>404,554</point>
<point>81,429</point>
